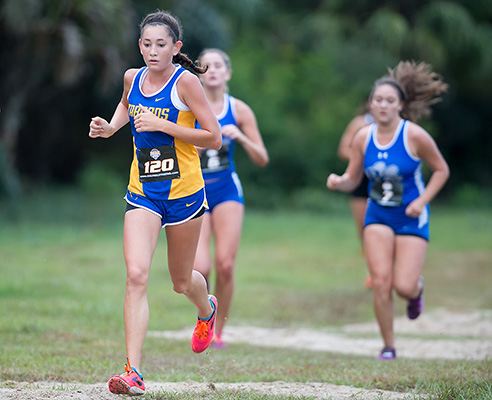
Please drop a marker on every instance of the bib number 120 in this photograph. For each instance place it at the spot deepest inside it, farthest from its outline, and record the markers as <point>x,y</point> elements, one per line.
<point>157,166</point>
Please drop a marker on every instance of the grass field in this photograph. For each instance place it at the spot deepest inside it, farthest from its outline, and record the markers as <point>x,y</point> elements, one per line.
<point>62,287</point>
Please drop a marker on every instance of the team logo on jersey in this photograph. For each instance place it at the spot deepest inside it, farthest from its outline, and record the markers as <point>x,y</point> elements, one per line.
<point>155,154</point>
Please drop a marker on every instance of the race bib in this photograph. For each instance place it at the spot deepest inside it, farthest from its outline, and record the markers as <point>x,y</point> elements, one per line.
<point>158,164</point>
<point>215,160</point>
<point>387,193</point>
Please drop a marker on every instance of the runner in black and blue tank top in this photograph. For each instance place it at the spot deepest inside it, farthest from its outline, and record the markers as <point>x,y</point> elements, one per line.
<point>390,152</point>
<point>358,196</point>
<point>395,180</point>
<point>219,171</point>
<point>224,218</point>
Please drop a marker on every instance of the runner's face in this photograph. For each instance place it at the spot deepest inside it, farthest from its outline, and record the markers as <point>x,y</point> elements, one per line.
<point>217,74</point>
<point>385,104</point>
<point>157,47</point>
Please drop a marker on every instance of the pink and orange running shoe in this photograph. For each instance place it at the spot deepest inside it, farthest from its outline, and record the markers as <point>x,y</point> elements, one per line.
<point>130,383</point>
<point>204,330</point>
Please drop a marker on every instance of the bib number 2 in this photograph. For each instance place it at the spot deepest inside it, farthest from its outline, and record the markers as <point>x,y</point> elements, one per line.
<point>387,193</point>
<point>215,160</point>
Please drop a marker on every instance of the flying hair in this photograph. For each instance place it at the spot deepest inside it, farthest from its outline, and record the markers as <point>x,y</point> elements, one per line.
<point>418,86</point>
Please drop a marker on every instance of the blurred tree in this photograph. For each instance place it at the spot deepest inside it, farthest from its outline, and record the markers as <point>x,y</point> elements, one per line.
<point>343,47</point>
<point>304,67</point>
<point>48,46</point>
<point>63,60</point>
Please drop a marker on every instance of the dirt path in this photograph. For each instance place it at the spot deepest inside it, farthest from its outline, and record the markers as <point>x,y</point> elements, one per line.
<point>56,391</point>
<point>438,334</point>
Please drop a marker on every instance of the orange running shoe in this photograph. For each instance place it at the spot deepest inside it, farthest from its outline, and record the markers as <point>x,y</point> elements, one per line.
<point>130,383</point>
<point>204,330</point>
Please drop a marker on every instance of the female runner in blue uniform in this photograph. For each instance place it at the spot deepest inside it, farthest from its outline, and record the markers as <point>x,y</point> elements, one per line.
<point>224,218</point>
<point>162,101</point>
<point>390,152</point>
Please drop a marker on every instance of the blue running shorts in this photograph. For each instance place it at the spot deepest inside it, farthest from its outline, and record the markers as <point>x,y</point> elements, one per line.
<point>222,187</point>
<point>397,220</point>
<point>171,212</point>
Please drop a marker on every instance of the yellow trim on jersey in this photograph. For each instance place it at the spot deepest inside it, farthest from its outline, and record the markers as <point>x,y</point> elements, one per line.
<point>135,185</point>
<point>189,163</point>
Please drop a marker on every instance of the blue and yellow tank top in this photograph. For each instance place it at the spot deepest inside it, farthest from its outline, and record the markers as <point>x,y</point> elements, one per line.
<point>395,175</point>
<point>163,167</point>
<point>221,161</point>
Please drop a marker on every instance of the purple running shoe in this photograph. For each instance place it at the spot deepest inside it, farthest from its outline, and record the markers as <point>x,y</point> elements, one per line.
<point>387,354</point>
<point>416,306</point>
<point>218,343</point>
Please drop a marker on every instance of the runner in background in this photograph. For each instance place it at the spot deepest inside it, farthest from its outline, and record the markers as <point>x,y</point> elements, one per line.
<point>358,197</point>
<point>390,151</point>
<point>223,221</point>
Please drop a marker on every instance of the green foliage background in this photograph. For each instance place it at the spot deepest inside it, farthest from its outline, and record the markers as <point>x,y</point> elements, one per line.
<point>304,68</point>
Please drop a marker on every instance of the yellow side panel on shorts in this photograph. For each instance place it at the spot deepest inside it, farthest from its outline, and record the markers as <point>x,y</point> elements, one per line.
<point>191,179</point>
<point>135,185</point>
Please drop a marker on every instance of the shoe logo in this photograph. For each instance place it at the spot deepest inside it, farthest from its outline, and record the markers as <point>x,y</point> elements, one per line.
<point>190,204</point>
<point>137,380</point>
<point>159,99</point>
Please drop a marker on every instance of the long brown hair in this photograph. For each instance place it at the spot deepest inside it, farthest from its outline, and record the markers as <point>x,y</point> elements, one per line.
<point>418,86</point>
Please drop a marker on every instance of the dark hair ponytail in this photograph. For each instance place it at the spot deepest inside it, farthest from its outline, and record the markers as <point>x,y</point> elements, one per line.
<point>186,62</point>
